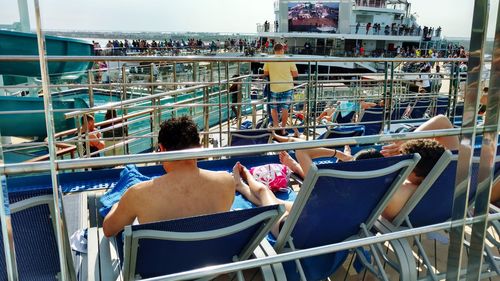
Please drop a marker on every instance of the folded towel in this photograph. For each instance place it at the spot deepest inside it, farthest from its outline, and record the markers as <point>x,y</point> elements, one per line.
<point>128,178</point>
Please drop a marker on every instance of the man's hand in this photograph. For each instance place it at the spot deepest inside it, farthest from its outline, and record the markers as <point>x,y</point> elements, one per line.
<point>392,149</point>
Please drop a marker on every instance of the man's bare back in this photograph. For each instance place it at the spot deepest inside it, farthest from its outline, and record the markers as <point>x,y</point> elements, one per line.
<point>185,190</point>
<point>182,195</point>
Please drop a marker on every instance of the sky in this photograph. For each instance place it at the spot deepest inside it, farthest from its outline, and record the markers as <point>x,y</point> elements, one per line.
<point>454,16</point>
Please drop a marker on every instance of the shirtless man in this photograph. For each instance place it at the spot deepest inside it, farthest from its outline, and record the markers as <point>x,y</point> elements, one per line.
<point>184,191</point>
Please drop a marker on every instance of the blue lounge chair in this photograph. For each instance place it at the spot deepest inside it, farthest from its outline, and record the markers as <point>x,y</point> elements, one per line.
<point>399,110</point>
<point>441,105</point>
<point>343,119</point>
<point>35,241</point>
<point>431,203</point>
<point>343,131</point>
<point>419,108</point>
<point>372,120</point>
<point>337,202</point>
<point>162,248</point>
<point>250,137</point>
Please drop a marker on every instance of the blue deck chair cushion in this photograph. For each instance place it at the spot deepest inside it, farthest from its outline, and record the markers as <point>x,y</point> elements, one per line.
<point>399,110</point>
<point>442,105</point>
<point>343,131</point>
<point>157,257</point>
<point>345,119</point>
<point>420,108</point>
<point>34,238</point>
<point>335,210</point>
<point>349,202</point>
<point>250,137</point>
<point>372,120</point>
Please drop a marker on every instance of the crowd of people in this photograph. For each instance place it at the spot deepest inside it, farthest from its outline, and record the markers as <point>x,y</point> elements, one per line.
<point>206,192</point>
<point>398,29</point>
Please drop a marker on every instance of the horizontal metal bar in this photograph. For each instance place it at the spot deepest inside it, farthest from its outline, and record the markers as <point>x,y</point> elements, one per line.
<point>216,152</point>
<point>223,59</point>
<point>298,254</point>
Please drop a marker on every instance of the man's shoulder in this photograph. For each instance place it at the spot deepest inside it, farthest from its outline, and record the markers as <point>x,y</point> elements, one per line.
<point>223,175</point>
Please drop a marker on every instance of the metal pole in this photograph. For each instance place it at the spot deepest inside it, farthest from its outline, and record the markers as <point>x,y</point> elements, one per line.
<point>391,89</point>
<point>451,113</point>
<point>220,102</point>
<point>311,108</point>
<point>90,76</point>
<point>206,120</point>
<point>175,75</point>
<point>462,180</point>
<point>315,97</point>
<point>228,101</point>
<point>49,123</point>
<point>384,124</point>
<point>488,153</point>
<point>124,110</point>
<point>153,114</point>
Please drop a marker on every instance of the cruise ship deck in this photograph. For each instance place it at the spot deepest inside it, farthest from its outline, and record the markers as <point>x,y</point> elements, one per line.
<point>56,190</point>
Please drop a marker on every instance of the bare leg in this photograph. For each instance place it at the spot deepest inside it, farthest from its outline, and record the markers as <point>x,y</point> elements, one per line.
<point>261,194</point>
<point>288,161</point>
<point>285,138</point>
<point>274,114</point>
<point>437,123</point>
<point>284,118</point>
<point>242,187</point>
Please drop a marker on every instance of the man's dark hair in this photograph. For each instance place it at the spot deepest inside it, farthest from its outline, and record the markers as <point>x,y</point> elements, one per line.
<point>278,47</point>
<point>429,150</point>
<point>178,133</point>
<point>368,154</point>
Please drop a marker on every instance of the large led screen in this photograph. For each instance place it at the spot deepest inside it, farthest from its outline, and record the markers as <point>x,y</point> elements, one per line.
<point>313,17</point>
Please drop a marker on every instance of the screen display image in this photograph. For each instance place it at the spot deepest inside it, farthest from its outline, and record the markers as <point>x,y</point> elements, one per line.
<point>313,17</point>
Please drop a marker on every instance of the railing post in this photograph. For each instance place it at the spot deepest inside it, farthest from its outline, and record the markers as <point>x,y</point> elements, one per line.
<point>153,115</point>
<point>65,261</point>
<point>315,97</point>
<point>391,89</point>
<point>467,141</point>
<point>124,110</point>
<point>90,79</point>
<point>228,102</point>
<point>311,108</point>
<point>488,153</point>
<point>206,120</point>
<point>219,101</point>
<point>174,75</point>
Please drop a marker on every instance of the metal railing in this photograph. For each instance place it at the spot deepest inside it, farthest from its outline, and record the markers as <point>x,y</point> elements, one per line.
<point>312,86</point>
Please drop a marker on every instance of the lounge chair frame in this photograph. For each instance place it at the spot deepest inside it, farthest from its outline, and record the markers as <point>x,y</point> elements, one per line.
<point>132,238</point>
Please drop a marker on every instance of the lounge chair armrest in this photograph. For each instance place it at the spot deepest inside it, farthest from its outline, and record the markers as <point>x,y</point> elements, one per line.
<point>268,250</point>
<point>92,256</point>
<point>108,257</point>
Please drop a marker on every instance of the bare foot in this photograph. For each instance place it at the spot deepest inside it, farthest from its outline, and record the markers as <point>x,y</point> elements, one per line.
<point>241,187</point>
<point>288,161</point>
<point>244,173</point>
